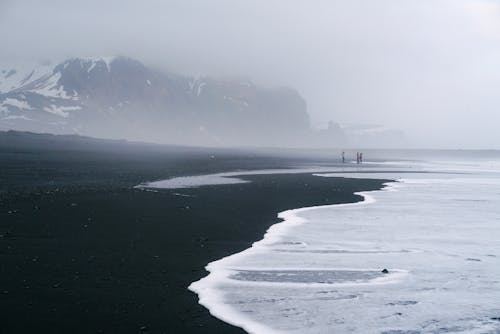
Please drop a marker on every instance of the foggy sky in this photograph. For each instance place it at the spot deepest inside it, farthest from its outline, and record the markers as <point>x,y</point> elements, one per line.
<point>428,67</point>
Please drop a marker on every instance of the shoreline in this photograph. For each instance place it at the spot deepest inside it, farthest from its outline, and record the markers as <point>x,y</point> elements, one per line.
<point>218,271</point>
<point>81,245</point>
<point>314,271</point>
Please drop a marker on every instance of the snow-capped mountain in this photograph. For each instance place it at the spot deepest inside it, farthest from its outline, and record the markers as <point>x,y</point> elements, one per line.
<point>120,97</point>
<point>32,93</point>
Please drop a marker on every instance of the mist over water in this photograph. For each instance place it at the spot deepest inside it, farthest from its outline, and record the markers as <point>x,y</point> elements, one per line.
<point>427,68</point>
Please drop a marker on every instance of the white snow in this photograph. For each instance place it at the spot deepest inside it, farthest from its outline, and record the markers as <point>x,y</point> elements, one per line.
<point>25,73</point>
<point>91,62</point>
<point>12,117</point>
<point>23,105</point>
<point>51,88</point>
<point>60,110</point>
<point>200,87</point>
<point>108,61</point>
<point>41,79</point>
<point>32,77</point>
<point>94,63</point>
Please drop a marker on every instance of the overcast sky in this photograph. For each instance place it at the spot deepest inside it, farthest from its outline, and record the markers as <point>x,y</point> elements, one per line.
<point>428,67</point>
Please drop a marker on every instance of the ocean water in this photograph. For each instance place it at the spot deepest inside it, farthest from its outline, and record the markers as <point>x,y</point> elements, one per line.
<point>436,230</point>
<point>225,178</point>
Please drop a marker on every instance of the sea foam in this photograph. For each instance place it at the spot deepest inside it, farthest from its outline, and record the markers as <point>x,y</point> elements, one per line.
<point>435,229</point>
<point>319,271</point>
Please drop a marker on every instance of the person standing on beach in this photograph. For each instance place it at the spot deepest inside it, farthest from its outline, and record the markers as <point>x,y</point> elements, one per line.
<point>343,157</point>
<point>360,157</point>
<point>357,157</point>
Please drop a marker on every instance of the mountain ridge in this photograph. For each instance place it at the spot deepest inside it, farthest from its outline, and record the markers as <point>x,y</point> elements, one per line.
<point>119,97</point>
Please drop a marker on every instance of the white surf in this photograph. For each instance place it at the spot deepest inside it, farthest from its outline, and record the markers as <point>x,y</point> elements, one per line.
<point>320,270</point>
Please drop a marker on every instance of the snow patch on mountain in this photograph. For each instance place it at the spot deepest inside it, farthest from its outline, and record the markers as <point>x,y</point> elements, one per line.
<point>198,92</point>
<point>61,111</point>
<point>16,103</point>
<point>40,88</point>
<point>15,117</point>
<point>50,87</point>
<point>16,75</point>
<point>90,63</point>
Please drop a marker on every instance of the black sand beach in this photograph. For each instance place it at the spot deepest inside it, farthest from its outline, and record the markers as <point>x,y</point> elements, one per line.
<point>81,251</point>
